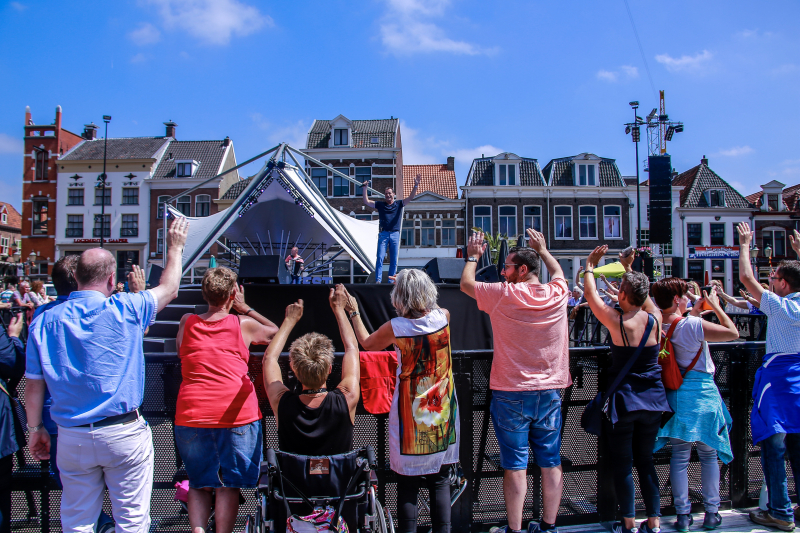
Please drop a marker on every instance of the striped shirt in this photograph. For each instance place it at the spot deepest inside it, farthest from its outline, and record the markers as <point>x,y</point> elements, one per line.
<point>783,326</point>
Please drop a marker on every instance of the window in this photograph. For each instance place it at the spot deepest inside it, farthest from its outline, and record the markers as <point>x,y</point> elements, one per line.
<point>102,222</point>
<point>717,234</point>
<point>160,241</point>
<point>507,174</point>
<point>694,234</point>
<point>644,237</point>
<point>532,217</point>
<point>482,218</point>
<point>648,212</point>
<point>102,195</point>
<point>40,217</point>
<point>772,202</point>
<point>586,175</point>
<point>612,221</point>
<point>341,187</point>
<point>363,217</point>
<point>588,221</point>
<point>666,249</point>
<point>735,238</point>
<point>718,268</point>
<point>407,233</point>
<point>185,170</point>
<point>185,205</point>
<point>507,220</point>
<point>362,174</point>
<point>4,218</point>
<point>775,239</point>
<point>75,226</point>
<point>428,233</point>
<point>448,232</point>
<point>202,205</point>
<point>130,196</point>
<point>340,137</point>
<point>715,197</point>
<point>130,226</point>
<point>4,246</point>
<point>41,163</point>
<point>320,178</point>
<point>161,201</point>
<point>696,271</point>
<point>374,140</point>
<point>563,221</point>
<point>75,197</point>
<point>667,271</point>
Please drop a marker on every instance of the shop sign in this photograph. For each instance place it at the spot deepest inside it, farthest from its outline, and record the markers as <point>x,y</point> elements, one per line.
<point>97,241</point>
<point>713,252</point>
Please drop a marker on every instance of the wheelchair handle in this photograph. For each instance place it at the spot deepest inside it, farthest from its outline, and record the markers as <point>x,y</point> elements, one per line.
<point>371,461</point>
<point>272,460</point>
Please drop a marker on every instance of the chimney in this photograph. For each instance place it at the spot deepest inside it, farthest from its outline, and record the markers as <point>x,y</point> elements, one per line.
<point>704,161</point>
<point>226,142</point>
<point>451,163</point>
<point>28,120</point>
<point>58,119</point>
<point>90,131</point>
<point>170,128</point>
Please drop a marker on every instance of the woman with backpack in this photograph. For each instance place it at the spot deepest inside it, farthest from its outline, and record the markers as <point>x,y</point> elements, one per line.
<point>700,414</point>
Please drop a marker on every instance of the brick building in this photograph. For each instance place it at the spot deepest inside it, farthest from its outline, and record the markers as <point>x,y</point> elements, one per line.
<point>776,212</point>
<point>10,240</point>
<point>43,145</point>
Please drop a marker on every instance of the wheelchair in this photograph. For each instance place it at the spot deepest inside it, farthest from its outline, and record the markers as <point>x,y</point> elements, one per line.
<point>298,485</point>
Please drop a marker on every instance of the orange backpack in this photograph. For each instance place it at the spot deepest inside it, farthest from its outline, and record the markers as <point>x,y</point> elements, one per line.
<point>671,374</point>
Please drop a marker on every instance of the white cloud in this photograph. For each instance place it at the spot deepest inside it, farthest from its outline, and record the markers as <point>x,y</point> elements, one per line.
<point>735,151</point>
<point>606,75</point>
<point>684,63</point>
<point>418,150</point>
<point>791,162</point>
<point>10,145</point>
<point>139,58</point>
<point>788,68</point>
<point>212,21</point>
<point>407,30</point>
<point>294,134</point>
<point>145,34</point>
<point>466,155</point>
<point>18,6</point>
<point>754,34</point>
<point>630,71</point>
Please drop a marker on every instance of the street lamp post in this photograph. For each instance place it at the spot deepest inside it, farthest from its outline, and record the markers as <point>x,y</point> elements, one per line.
<point>106,119</point>
<point>633,129</point>
<point>753,257</point>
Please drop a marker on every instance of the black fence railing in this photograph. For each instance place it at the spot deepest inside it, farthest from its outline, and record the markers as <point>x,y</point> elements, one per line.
<point>588,495</point>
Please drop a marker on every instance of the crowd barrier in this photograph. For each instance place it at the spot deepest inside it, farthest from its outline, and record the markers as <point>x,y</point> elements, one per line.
<point>588,496</point>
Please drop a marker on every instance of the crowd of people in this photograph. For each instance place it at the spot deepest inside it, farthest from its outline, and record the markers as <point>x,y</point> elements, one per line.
<point>84,366</point>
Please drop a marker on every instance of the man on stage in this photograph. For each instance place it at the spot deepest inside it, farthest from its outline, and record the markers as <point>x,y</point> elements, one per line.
<point>390,212</point>
<point>293,267</point>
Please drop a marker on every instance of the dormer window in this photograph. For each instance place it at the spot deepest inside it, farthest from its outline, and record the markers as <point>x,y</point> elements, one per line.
<point>185,169</point>
<point>715,197</point>
<point>4,218</point>
<point>773,202</point>
<point>586,174</point>
<point>340,137</point>
<point>506,174</point>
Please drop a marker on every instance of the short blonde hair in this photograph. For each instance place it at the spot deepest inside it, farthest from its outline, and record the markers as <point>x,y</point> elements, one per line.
<point>414,293</point>
<point>218,284</point>
<point>312,358</point>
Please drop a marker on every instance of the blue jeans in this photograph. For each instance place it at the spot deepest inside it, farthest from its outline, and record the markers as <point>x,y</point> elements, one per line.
<point>678,475</point>
<point>392,240</point>
<point>773,452</point>
<point>523,419</point>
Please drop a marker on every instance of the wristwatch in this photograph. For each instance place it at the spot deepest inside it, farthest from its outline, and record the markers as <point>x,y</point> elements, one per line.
<point>35,428</point>
<point>471,260</point>
<point>354,314</point>
<point>249,311</point>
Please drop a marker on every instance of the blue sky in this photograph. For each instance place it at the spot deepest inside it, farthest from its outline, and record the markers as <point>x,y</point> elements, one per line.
<point>543,79</point>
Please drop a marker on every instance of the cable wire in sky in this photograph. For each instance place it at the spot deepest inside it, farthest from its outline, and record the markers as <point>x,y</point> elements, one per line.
<point>639,42</point>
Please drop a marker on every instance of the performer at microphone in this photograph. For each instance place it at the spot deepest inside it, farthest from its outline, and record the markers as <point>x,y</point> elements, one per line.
<point>390,212</point>
<point>294,264</point>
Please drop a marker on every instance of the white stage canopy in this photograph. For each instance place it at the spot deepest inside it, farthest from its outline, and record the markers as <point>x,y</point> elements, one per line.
<point>280,204</point>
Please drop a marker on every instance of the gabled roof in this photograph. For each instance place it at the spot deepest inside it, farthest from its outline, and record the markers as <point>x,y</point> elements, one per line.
<point>699,179</point>
<point>481,173</point>
<point>362,132</point>
<point>14,218</point>
<point>791,198</point>
<point>208,153</point>
<point>236,189</point>
<point>558,172</point>
<point>119,148</point>
<point>437,179</point>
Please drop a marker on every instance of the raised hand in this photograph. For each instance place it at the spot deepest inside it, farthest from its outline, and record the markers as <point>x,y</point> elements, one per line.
<point>745,235</point>
<point>338,297</point>
<point>597,254</point>
<point>136,281</point>
<point>536,240</point>
<point>294,312</point>
<point>238,300</point>
<point>176,236</point>
<point>795,240</point>
<point>476,246</point>
<point>627,261</point>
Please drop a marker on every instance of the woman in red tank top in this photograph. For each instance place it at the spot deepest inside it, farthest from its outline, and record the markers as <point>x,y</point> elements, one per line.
<point>217,419</point>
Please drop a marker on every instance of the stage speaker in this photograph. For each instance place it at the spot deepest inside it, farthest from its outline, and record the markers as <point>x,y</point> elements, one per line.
<point>445,270</point>
<point>263,269</point>
<point>677,267</point>
<point>155,275</point>
<point>660,169</point>
<point>649,268</point>
<point>488,275</point>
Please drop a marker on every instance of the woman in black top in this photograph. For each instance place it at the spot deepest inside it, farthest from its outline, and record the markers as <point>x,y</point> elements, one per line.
<point>635,408</point>
<point>316,421</point>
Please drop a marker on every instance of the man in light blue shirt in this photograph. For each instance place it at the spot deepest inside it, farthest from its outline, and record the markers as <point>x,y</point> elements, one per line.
<point>88,353</point>
<point>775,418</point>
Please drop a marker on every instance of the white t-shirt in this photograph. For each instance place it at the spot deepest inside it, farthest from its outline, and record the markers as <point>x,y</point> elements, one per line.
<point>686,340</point>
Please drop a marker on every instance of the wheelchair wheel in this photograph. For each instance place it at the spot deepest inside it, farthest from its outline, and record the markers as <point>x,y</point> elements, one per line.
<point>385,523</point>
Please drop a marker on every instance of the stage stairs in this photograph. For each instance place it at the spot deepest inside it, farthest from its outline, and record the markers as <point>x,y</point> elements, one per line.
<point>161,335</point>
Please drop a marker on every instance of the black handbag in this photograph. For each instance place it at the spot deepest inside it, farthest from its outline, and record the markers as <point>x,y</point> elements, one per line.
<point>597,409</point>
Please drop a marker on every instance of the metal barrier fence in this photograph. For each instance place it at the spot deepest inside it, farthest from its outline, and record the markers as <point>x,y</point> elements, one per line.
<point>588,487</point>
